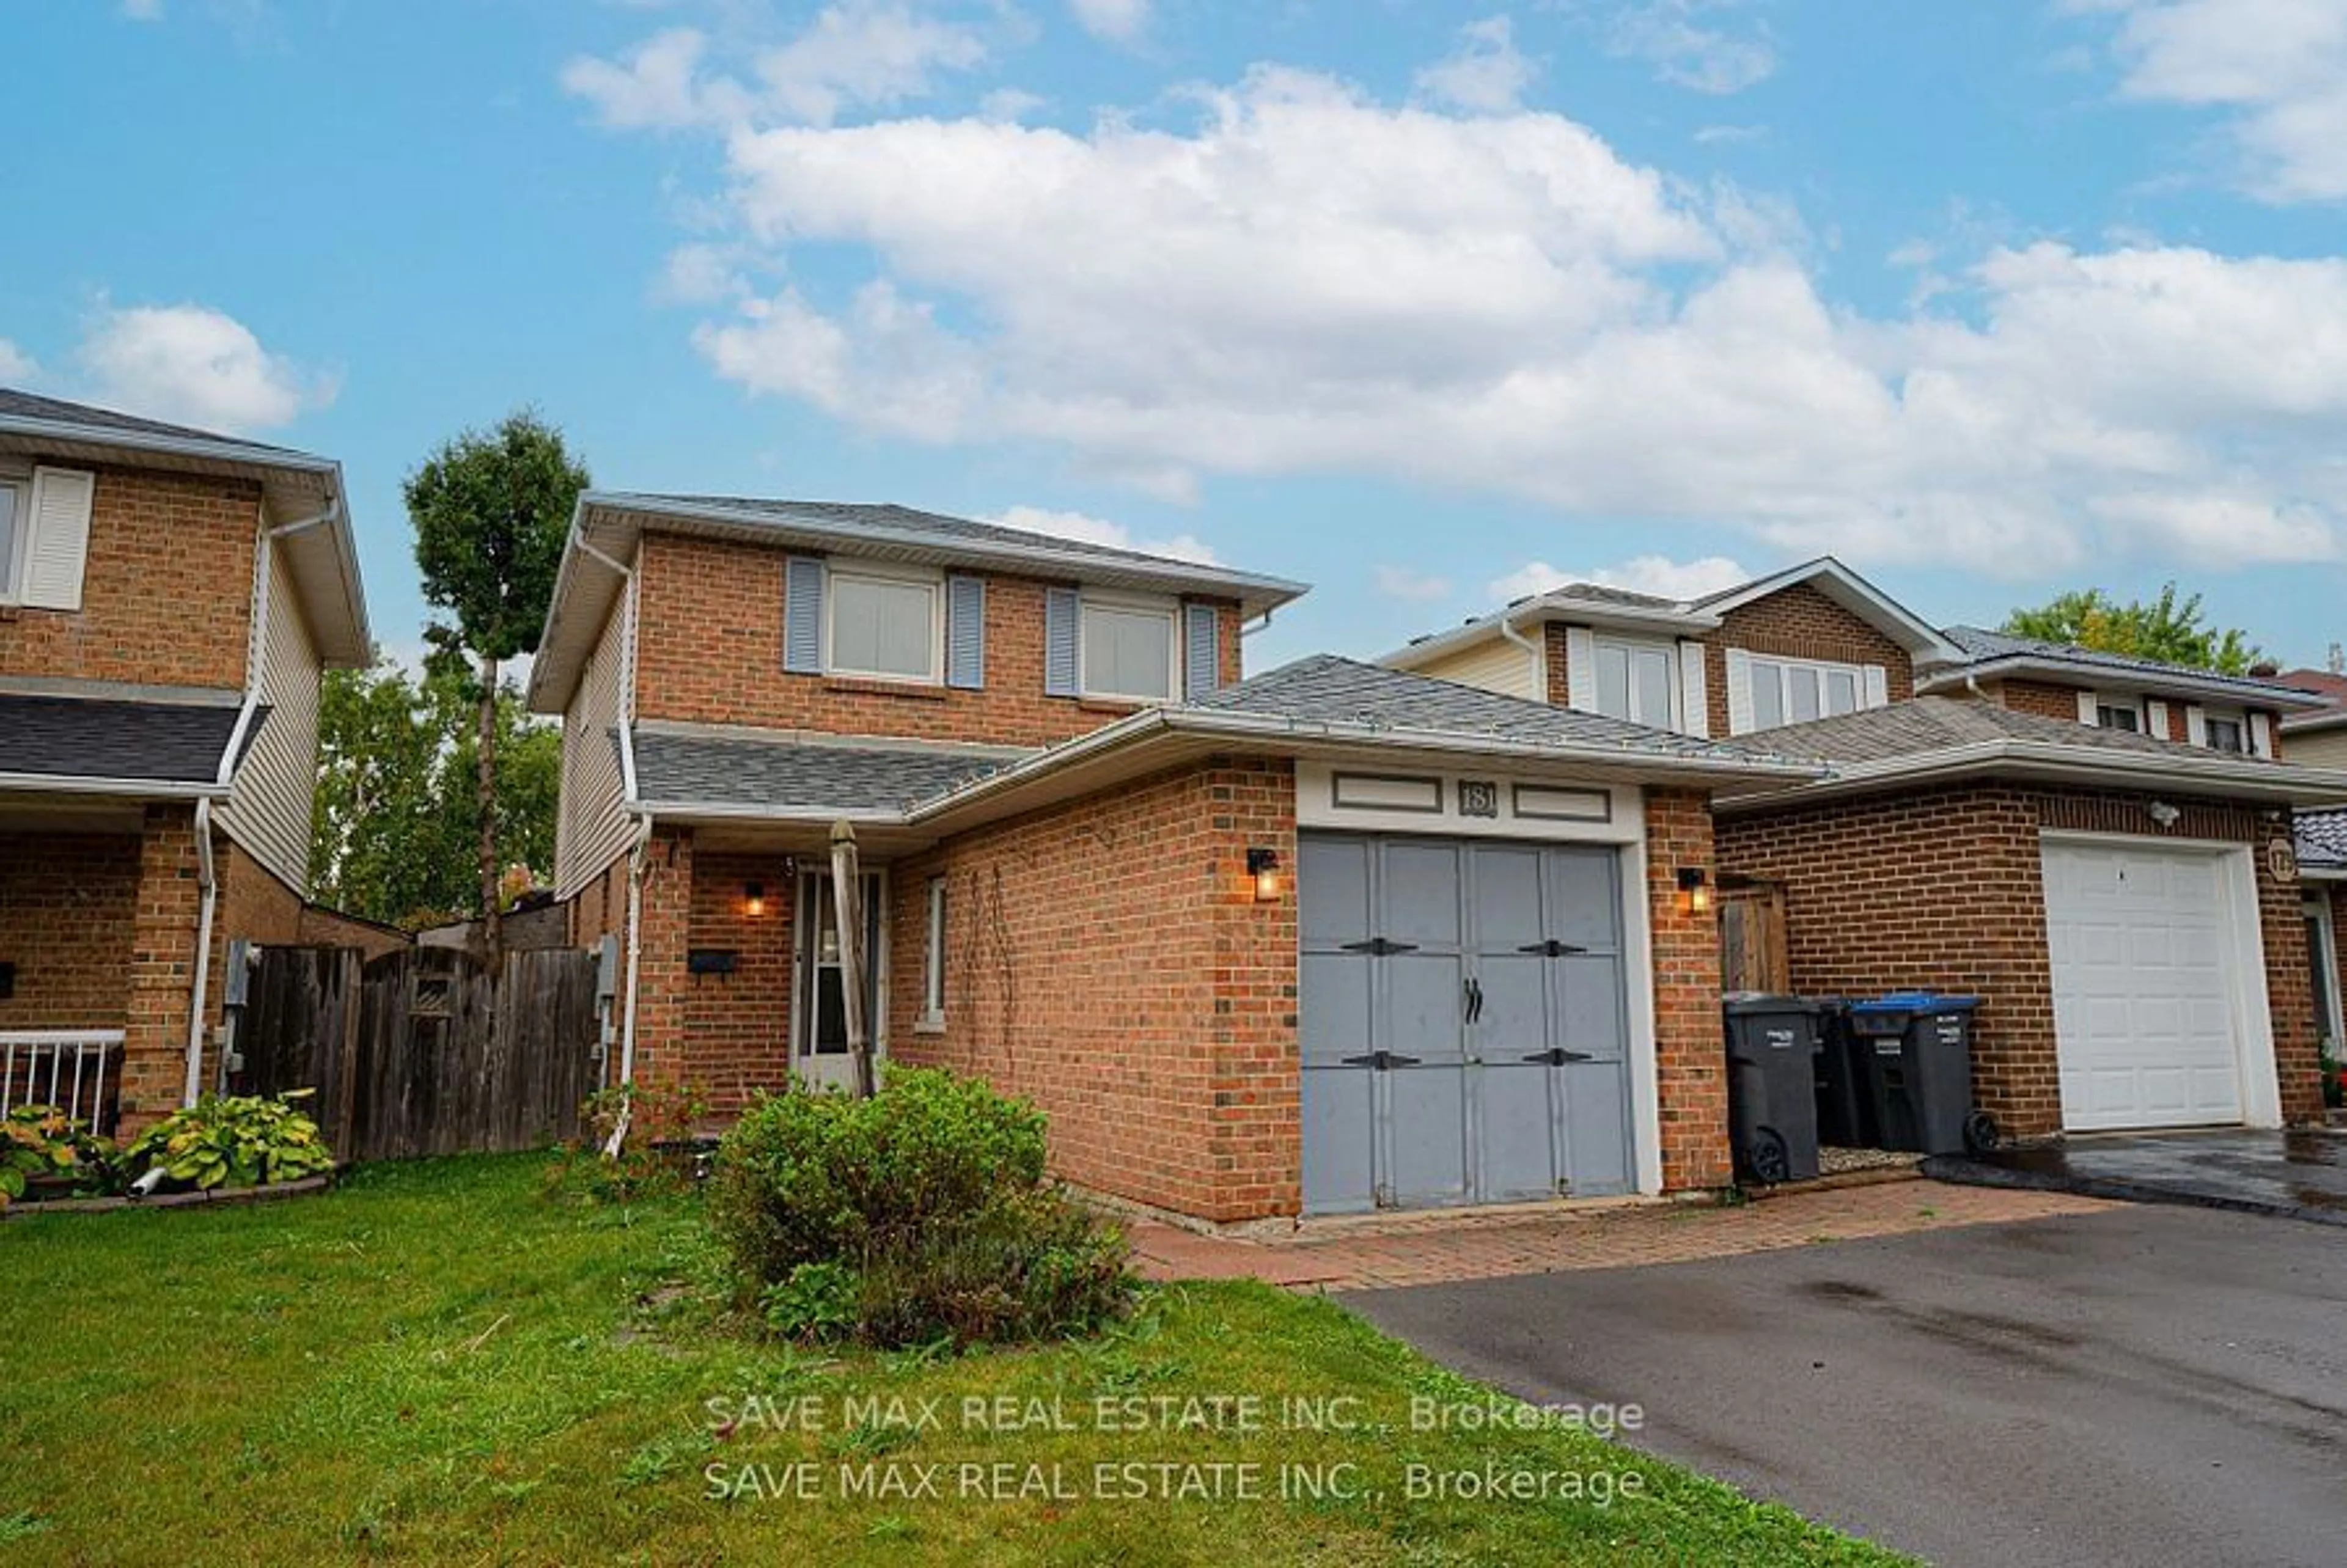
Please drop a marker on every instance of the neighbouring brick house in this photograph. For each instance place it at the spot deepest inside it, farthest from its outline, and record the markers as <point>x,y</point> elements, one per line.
<point>168,599</point>
<point>2319,737</point>
<point>1332,938</point>
<point>2098,847</point>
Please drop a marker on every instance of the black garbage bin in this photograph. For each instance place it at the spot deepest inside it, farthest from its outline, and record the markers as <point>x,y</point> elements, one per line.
<point>1772,1107</point>
<point>1917,1048</point>
<point>1845,1103</point>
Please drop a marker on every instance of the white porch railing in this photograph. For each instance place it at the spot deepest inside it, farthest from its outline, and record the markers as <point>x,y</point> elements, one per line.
<point>65,1068</point>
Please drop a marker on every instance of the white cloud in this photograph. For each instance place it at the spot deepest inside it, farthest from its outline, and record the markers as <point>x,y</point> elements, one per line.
<point>856,54</point>
<point>143,10</point>
<point>1673,36</point>
<point>1485,75</point>
<point>15,364</point>
<point>1304,280</point>
<point>1117,20</point>
<point>1657,575</point>
<point>2279,68</point>
<point>193,363</point>
<point>1100,531</point>
<point>1411,587</point>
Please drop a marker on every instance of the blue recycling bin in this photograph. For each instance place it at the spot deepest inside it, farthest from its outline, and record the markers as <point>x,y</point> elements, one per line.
<point>1916,1050</point>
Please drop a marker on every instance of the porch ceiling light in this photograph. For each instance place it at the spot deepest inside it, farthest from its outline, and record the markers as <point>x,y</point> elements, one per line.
<point>754,900</point>
<point>2163,814</point>
<point>1694,890</point>
<point>1263,865</point>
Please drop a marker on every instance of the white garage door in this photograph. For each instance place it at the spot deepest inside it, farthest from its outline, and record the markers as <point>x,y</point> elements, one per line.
<point>2144,989</point>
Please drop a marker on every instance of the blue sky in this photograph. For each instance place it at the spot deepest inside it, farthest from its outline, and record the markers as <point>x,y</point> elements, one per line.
<point>1424,304</point>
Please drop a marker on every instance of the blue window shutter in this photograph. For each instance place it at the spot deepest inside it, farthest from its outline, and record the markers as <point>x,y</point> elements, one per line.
<point>966,632</point>
<point>802,616</point>
<point>1062,612</point>
<point>1203,666</point>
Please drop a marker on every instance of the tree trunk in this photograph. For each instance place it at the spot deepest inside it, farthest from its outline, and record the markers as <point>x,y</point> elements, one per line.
<point>492,931</point>
<point>847,899</point>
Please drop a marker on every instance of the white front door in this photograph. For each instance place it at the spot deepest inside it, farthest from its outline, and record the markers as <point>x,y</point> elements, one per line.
<point>819,1052</point>
<point>2322,953</point>
<point>2145,1000</point>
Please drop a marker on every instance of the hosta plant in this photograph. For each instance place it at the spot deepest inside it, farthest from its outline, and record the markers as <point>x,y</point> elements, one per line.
<point>233,1140</point>
<point>41,1147</point>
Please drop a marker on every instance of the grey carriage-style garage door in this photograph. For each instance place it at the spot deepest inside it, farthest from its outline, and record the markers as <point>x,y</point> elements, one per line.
<point>1463,1022</point>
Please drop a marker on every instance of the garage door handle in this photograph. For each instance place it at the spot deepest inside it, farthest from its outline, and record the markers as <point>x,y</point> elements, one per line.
<point>1551,948</point>
<point>1474,1001</point>
<point>1558,1056</point>
<point>1382,1061</point>
<point>1380,947</point>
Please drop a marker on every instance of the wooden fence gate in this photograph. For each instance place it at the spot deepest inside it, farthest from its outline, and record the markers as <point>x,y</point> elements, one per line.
<point>1754,954</point>
<point>422,1051</point>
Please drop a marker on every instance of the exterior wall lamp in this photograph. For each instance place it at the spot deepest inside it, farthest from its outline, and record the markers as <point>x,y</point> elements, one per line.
<point>1263,867</point>
<point>1694,890</point>
<point>754,900</point>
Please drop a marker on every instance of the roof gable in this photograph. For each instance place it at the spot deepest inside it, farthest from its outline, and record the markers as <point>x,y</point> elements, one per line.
<point>1985,650</point>
<point>1852,592</point>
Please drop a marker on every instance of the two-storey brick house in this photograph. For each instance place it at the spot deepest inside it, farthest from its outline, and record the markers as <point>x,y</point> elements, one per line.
<point>2319,736</point>
<point>1331,938</point>
<point>167,600</point>
<point>2098,847</point>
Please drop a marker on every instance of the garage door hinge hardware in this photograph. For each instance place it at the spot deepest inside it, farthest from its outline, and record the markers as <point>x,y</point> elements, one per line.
<point>1557,1056</point>
<point>1380,947</point>
<point>1383,1060</point>
<point>1551,948</point>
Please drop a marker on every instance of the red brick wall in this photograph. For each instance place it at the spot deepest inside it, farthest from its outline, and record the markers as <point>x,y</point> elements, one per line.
<point>167,592</point>
<point>1945,891</point>
<point>1800,622</point>
<point>1107,960</point>
<point>253,905</point>
<point>2040,697</point>
<point>709,648</point>
<point>737,1027</point>
<point>1560,681</point>
<point>67,902</point>
<point>1690,1058</point>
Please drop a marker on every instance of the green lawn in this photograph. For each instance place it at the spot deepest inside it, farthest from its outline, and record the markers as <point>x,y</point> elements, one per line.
<point>436,1363</point>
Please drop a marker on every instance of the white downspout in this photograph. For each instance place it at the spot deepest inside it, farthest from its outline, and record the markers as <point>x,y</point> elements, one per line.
<point>639,861</point>
<point>208,901</point>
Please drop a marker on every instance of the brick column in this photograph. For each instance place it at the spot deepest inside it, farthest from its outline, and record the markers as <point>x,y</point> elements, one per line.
<point>2290,976</point>
<point>162,967</point>
<point>1690,1054</point>
<point>661,982</point>
<point>1258,1136</point>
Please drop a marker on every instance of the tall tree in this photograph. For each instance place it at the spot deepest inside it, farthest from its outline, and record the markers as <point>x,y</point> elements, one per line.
<point>398,806</point>
<point>399,809</point>
<point>2162,629</point>
<point>491,509</point>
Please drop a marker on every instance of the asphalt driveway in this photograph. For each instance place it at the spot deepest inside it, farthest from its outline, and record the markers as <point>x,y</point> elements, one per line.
<point>2137,1386</point>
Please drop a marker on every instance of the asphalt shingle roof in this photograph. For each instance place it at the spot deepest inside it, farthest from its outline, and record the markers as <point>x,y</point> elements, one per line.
<point>147,742</point>
<point>1925,725</point>
<point>752,770</point>
<point>1984,646</point>
<point>16,404</point>
<point>946,528</point>
<point>2323,839</point>
<point>1325,689</point>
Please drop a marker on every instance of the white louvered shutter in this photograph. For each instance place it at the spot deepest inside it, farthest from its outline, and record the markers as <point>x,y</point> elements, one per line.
<point>57,547</point>
<point>1581,668</point>
<point>1739,692</point>
<point>1695,690</point>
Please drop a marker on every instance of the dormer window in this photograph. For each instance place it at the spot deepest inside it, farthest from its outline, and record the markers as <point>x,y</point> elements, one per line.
<point>2117,713</point>
<point>2227,735</point>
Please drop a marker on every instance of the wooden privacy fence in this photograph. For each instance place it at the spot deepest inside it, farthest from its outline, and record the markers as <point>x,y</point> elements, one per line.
<point>424,1052</point>
<point>1754,955</point>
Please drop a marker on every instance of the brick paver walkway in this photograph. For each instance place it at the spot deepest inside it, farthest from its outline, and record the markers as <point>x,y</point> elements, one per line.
<point>1435,1253</point>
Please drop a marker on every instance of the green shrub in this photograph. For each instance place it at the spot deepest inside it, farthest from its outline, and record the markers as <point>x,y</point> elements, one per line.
<point>929,1197</point>
<point>41,1148</point>
<point>656,1158</point>
<point>233,1140</point>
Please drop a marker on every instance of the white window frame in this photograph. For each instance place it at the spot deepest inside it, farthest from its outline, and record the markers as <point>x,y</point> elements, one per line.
<point>1672,676</point>
<point>2133,705</point>
<point>2240,719</point>
<point>933,968</point>
<point>894,576</point>
<point>12,561</point>
<point>1755,663</point>
<point>1128,604</point>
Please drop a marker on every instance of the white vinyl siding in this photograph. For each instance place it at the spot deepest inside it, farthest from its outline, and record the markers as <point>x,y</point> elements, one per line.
<point>933,970</point>
<point>270,809</point>
<point>594,825</point>
<point>1128,653</point>
<point>1498,665</point>
<point>883,627</point>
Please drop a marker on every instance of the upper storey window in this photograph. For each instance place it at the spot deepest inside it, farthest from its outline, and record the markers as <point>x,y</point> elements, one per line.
<point>886,627</point>
<point>1794,692</point>
<point>1128,651</point>
<point>1635,681</point>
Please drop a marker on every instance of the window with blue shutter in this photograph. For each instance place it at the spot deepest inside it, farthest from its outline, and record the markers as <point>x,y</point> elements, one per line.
<point>802,616</point>
<point>966,633</point>
<point>1203,660</point>
<point>1062,612</point>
